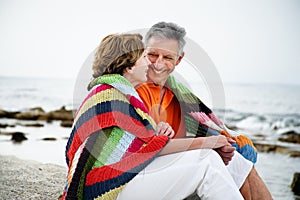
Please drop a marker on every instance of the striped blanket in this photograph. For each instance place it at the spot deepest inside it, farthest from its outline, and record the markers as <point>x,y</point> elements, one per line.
<point>201,121</point>
<point>112,140</point>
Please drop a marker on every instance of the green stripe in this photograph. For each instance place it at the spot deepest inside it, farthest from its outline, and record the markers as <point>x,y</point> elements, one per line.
<point>94,153</point>
<point>112,140</point>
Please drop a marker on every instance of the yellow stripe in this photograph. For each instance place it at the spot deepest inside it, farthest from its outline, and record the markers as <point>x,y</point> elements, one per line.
<point>146,116</point>
<point>103,96</point>
<point>111,195</point>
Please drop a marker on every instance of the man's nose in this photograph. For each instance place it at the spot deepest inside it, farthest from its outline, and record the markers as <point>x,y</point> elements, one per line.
<point>159,63</point>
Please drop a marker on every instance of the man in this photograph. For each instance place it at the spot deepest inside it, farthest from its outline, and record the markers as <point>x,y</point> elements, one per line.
<point>166,102</point>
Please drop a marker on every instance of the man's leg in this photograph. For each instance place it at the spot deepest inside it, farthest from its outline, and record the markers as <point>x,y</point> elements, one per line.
<point>254,187</point>
<point>247,179</point>
<point>177,176</point>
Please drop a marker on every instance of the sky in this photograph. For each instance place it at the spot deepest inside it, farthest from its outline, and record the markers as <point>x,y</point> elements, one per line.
<point>250,41</point>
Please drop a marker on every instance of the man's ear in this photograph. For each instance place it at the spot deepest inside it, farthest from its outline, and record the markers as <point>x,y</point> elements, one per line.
<point>180,58</point>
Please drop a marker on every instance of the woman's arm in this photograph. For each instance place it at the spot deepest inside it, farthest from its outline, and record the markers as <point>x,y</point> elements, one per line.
<point>185,144</point>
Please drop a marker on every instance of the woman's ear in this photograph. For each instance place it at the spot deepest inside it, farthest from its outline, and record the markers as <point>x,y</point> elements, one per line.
<point>127,70</point>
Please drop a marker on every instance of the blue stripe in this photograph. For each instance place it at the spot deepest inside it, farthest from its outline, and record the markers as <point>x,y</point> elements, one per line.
<point>100,188</point>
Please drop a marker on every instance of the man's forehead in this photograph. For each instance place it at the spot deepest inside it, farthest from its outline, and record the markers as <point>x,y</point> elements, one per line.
<point>163,45</point>
<point>161,50</point>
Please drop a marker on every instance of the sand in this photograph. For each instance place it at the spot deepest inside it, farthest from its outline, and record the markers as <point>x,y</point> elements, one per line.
<point>28,179</point>
<point>23,179</point>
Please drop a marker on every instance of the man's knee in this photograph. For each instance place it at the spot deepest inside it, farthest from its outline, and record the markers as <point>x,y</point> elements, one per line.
<point>211,157</point>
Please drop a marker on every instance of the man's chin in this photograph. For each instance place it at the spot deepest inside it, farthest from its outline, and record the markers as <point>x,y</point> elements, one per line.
<point>157,82</point>
<point>157,79</point>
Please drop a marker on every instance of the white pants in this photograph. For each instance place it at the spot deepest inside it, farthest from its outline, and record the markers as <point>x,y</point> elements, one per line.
<point>176,176</point>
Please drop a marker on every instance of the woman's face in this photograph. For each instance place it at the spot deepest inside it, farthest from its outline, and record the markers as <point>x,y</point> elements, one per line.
<point>138,73</point>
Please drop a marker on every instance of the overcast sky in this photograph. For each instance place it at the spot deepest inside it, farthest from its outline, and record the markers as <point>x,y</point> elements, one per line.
<point>248,41</point>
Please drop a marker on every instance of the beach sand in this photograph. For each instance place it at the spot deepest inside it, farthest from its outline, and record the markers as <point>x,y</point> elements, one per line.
<point>26,179</point>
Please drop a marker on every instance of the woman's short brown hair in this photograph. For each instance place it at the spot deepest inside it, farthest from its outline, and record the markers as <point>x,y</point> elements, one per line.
<point>116,52</point>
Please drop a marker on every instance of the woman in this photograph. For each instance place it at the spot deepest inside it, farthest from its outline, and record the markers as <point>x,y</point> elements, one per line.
<point>113,139</point>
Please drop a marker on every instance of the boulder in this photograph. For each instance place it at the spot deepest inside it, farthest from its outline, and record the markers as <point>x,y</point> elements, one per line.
<point>61,114</point>
<point>66,123</point>
<point>49,139</point>
<point>265,147</point>
<point>3,125</point>
<point>34,125</point>
<point>7,114</point>
<point>6,133</point>
<point>291,137</point>
<point>295,186</point>
<point>18,137</point>
<point>295,154</point>
<point>31,114</point>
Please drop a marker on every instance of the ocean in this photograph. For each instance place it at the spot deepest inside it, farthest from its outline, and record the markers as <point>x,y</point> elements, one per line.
<point>267,109</point>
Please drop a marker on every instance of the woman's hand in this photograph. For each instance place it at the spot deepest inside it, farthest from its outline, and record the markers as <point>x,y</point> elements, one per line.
<point>163,128</point>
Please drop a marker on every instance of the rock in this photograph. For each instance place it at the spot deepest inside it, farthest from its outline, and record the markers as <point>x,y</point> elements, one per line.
<point>7,114</point>
<point>31,114</point>
<point>66,123</point>
<point>232,127</point>
<point>61,114</point>
<point>264,147</point>
<point>295,154</point>
<point>291,132</point>
<point>292,138</point>
<point>34,125</point>
<point>6,125</point>
<point>18,137</point>
<point>37,113</point>
<point>6,133</point>
<point>49,139</point>
<point>295,186</point>
<point>259,135</point>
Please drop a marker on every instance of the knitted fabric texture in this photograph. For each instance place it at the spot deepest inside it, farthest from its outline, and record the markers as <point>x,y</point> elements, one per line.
<point>112,140</point>
<point>201,121</point>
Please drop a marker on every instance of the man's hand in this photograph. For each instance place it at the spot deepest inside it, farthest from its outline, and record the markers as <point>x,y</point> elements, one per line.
<point>226,152</point>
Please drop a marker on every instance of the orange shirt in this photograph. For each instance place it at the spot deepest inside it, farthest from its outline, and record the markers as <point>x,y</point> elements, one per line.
<point>166,109</point>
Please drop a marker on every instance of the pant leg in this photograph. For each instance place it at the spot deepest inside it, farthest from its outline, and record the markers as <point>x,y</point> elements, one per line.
<point>239,168</point>
<point>176,176</point>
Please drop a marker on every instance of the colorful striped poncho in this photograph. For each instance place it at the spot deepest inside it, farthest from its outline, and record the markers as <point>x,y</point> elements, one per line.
<point>201,121</point>
<point>112,140</point>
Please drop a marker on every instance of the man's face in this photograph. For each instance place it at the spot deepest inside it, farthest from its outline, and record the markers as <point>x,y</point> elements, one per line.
<point>163,55</point>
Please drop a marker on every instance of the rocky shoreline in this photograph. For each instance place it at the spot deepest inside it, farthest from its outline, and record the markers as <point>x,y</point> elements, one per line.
<point>283,145</point>
<point>38,113</point>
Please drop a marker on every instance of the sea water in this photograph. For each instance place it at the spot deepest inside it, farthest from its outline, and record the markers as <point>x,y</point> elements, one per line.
<point>268,109</point>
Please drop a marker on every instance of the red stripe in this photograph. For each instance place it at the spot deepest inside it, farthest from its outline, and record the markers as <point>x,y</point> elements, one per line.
<point>133,147</point>
<point>137,103</point>
<point>106,120</point>
<point>110,171</point>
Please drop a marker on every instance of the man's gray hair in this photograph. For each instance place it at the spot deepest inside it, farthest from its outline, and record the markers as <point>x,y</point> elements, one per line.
<point>165,30</point>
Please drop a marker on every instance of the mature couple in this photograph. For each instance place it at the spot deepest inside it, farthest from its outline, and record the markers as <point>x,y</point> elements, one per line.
<point>128,139</point>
